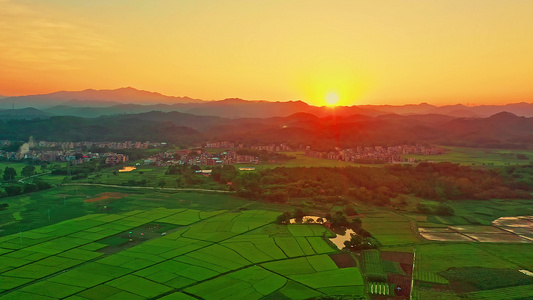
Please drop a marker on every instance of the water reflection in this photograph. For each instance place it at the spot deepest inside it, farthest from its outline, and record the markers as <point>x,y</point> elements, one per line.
<point>343,235</point>
<point>309,220</point>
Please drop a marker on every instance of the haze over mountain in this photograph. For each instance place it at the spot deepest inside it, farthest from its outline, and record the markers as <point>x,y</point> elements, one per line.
<point>93,98</point>
<point>457,110</point>
<point>95,103</point>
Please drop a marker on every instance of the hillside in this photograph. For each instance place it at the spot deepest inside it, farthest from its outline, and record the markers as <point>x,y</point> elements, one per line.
<point>503,130</point>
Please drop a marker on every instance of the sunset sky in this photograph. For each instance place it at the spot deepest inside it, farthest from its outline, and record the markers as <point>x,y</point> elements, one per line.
<point>366,52</point>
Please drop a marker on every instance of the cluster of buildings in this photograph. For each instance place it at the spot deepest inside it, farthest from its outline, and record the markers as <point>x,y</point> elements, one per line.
<point>229,145</point>
<point>93,145</point>
<point>88,145</point>
<point>115,159</point>
<point>273,148</point>
<point>61,152</point>
<point>390,154</point>
<point>200,158</point>
<point>72,156</point>
<point>222,145</point>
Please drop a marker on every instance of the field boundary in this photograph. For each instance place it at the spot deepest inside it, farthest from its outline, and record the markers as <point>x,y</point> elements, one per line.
<point>146,188</point>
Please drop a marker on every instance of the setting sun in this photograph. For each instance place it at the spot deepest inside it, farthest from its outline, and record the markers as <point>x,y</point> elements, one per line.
<point>332,99</point>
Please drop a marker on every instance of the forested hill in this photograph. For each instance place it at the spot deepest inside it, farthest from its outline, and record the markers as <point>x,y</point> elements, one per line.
<point>503,130</point>
<point>99,129</point>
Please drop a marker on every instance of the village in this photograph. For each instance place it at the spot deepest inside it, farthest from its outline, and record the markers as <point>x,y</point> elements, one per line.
<point>390,154</point>
<point>204,155</point>
<point>72,152</point>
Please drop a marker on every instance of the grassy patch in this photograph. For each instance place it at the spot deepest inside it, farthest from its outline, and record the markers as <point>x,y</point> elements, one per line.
<point>487,278</point>
<point>373,266</point>
<point>477,156</point>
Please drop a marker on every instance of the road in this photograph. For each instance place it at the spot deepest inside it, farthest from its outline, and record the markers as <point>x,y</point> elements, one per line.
<point>144,187</point>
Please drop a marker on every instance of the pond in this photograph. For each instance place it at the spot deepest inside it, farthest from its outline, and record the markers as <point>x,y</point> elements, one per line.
<point>342,237</point>
<point>310,220</point>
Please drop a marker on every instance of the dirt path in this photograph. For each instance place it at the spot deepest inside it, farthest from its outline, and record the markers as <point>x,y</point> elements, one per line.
<point>147,188</point>
<point>36,175</point>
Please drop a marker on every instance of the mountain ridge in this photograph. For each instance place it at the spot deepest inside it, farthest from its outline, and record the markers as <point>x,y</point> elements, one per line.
<point>94,103</point>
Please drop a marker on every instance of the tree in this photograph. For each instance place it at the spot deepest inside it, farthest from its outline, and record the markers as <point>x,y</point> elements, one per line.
<point>28,171</point>
<point>172,170</point>
<point>284,218</point>
<point>13,190</point>
<point>41,185</point>
<point>28,188</point>
<point>423,209</point>
<point>339,220</point>
<point>275,196</point>
<point>9,173</point>
<point>358,242</point>
<point>444,210</point>
<point>356,224</point>
<point>349,210</point>
<point>162,183</point>
<point>299,214</point>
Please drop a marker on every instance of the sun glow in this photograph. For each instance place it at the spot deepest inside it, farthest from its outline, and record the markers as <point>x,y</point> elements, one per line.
<point>332,99</point>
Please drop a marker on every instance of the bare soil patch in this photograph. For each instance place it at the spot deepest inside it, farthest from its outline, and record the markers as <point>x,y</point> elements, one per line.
<point>343,260</point>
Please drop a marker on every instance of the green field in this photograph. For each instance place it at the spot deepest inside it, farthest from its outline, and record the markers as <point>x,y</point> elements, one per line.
<point>206,257</point>
<point>73,242</point>
<point>477,156</point>
<point>146,175</point>
<point>67,202</point>
<point>18,166</point>
<point>437,264</point>
<point>373,266</point>
<point>219,240</point>
<point>390,229</point>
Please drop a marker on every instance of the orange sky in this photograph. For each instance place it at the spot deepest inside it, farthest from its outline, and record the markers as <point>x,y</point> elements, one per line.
<point>391,52</point>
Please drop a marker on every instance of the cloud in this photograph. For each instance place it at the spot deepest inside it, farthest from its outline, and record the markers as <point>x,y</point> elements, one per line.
<point>30,39</point>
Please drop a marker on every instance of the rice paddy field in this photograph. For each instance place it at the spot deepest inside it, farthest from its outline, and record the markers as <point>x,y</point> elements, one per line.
<point>206,254</point>
<point>390,229</point>
<point>103,242</point>
<point>476,254</point>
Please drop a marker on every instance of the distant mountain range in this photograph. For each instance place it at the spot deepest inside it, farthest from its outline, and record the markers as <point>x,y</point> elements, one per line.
<point>502,130</point>
<point>457,110</point>
<point>95,103</point>
<point>93,98</point>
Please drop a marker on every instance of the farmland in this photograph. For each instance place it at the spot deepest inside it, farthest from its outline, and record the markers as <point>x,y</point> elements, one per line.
<point>210,254</point>
<point>142,242</point>
<point>478,156</point>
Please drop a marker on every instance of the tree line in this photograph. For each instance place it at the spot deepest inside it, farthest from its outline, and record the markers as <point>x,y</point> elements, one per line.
<point>435,181</point>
